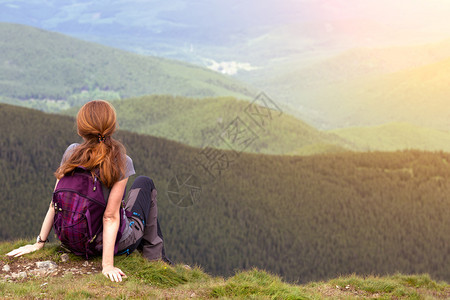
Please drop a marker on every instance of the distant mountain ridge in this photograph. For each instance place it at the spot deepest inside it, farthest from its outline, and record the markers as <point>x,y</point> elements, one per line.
<point>31,74</point>
<point>287,49</point>
<point>363,87</point>
<point>200,122</point>
<point>365,62</point>
<point>41,65</point>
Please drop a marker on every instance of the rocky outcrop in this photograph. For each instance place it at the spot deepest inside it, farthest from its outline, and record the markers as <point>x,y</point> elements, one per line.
<point>22,269</point>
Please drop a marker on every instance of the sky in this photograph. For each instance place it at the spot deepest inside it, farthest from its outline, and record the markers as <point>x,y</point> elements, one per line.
<point>416,19</point>
<point>409,20</point>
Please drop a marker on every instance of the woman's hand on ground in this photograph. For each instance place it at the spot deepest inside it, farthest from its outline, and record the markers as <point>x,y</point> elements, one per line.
<point>25,249</point>
<point>113,273</point>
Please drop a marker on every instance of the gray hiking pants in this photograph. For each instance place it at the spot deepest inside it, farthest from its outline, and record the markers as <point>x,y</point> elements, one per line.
<point>146,233</point>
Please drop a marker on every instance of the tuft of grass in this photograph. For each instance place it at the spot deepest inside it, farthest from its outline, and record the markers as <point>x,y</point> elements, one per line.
<point>83,294</point>
<point>404,286</point>
<point>420,281</point>
<point>258,283</point>
<point>158,273</point>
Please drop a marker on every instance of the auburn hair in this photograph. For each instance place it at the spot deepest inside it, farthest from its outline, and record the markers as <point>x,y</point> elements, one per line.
<point>96,122</point>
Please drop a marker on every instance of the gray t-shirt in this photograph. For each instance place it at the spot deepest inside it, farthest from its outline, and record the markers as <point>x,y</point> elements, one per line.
<point>129,170</point>
<point>129,167</point>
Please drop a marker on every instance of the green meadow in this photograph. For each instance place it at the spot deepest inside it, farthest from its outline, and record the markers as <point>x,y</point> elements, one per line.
<point>158,280</point>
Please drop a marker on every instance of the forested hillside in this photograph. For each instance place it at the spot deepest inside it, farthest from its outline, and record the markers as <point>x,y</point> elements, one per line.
<point>305,218</point>
<point>49,71</point>
<point>199,123</point>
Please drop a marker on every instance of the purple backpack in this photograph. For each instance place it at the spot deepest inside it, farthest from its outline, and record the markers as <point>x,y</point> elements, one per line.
<point>79,206</point>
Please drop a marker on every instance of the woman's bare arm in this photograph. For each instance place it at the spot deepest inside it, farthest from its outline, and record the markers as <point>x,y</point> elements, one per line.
<point>111,222</point>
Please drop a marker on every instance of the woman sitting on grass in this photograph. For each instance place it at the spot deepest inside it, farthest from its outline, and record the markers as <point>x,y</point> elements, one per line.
<point>106,158</point>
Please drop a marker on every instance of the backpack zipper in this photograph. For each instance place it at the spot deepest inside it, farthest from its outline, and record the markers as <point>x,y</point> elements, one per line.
<point>92,239</point>
<point>76,192</point>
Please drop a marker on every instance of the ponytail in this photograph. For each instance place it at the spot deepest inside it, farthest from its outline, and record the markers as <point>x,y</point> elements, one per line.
<point>96,122</point>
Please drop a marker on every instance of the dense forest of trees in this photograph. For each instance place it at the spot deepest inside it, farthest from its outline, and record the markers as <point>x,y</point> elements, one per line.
<point>305,218</point>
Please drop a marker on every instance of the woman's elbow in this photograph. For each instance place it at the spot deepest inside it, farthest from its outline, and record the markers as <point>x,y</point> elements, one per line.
<point>110,217</point>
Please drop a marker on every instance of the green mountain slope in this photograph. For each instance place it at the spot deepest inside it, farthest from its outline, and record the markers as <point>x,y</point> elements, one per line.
<point>304,218</point>
<point>396,136</point>
<point>199,123</point>
<point>42,65</point>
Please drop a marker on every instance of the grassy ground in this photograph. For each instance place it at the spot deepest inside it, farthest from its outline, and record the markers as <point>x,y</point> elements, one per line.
<point>76,278</point>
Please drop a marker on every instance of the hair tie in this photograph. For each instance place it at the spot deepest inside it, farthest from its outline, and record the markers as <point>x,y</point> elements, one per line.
<point>101,138</point>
